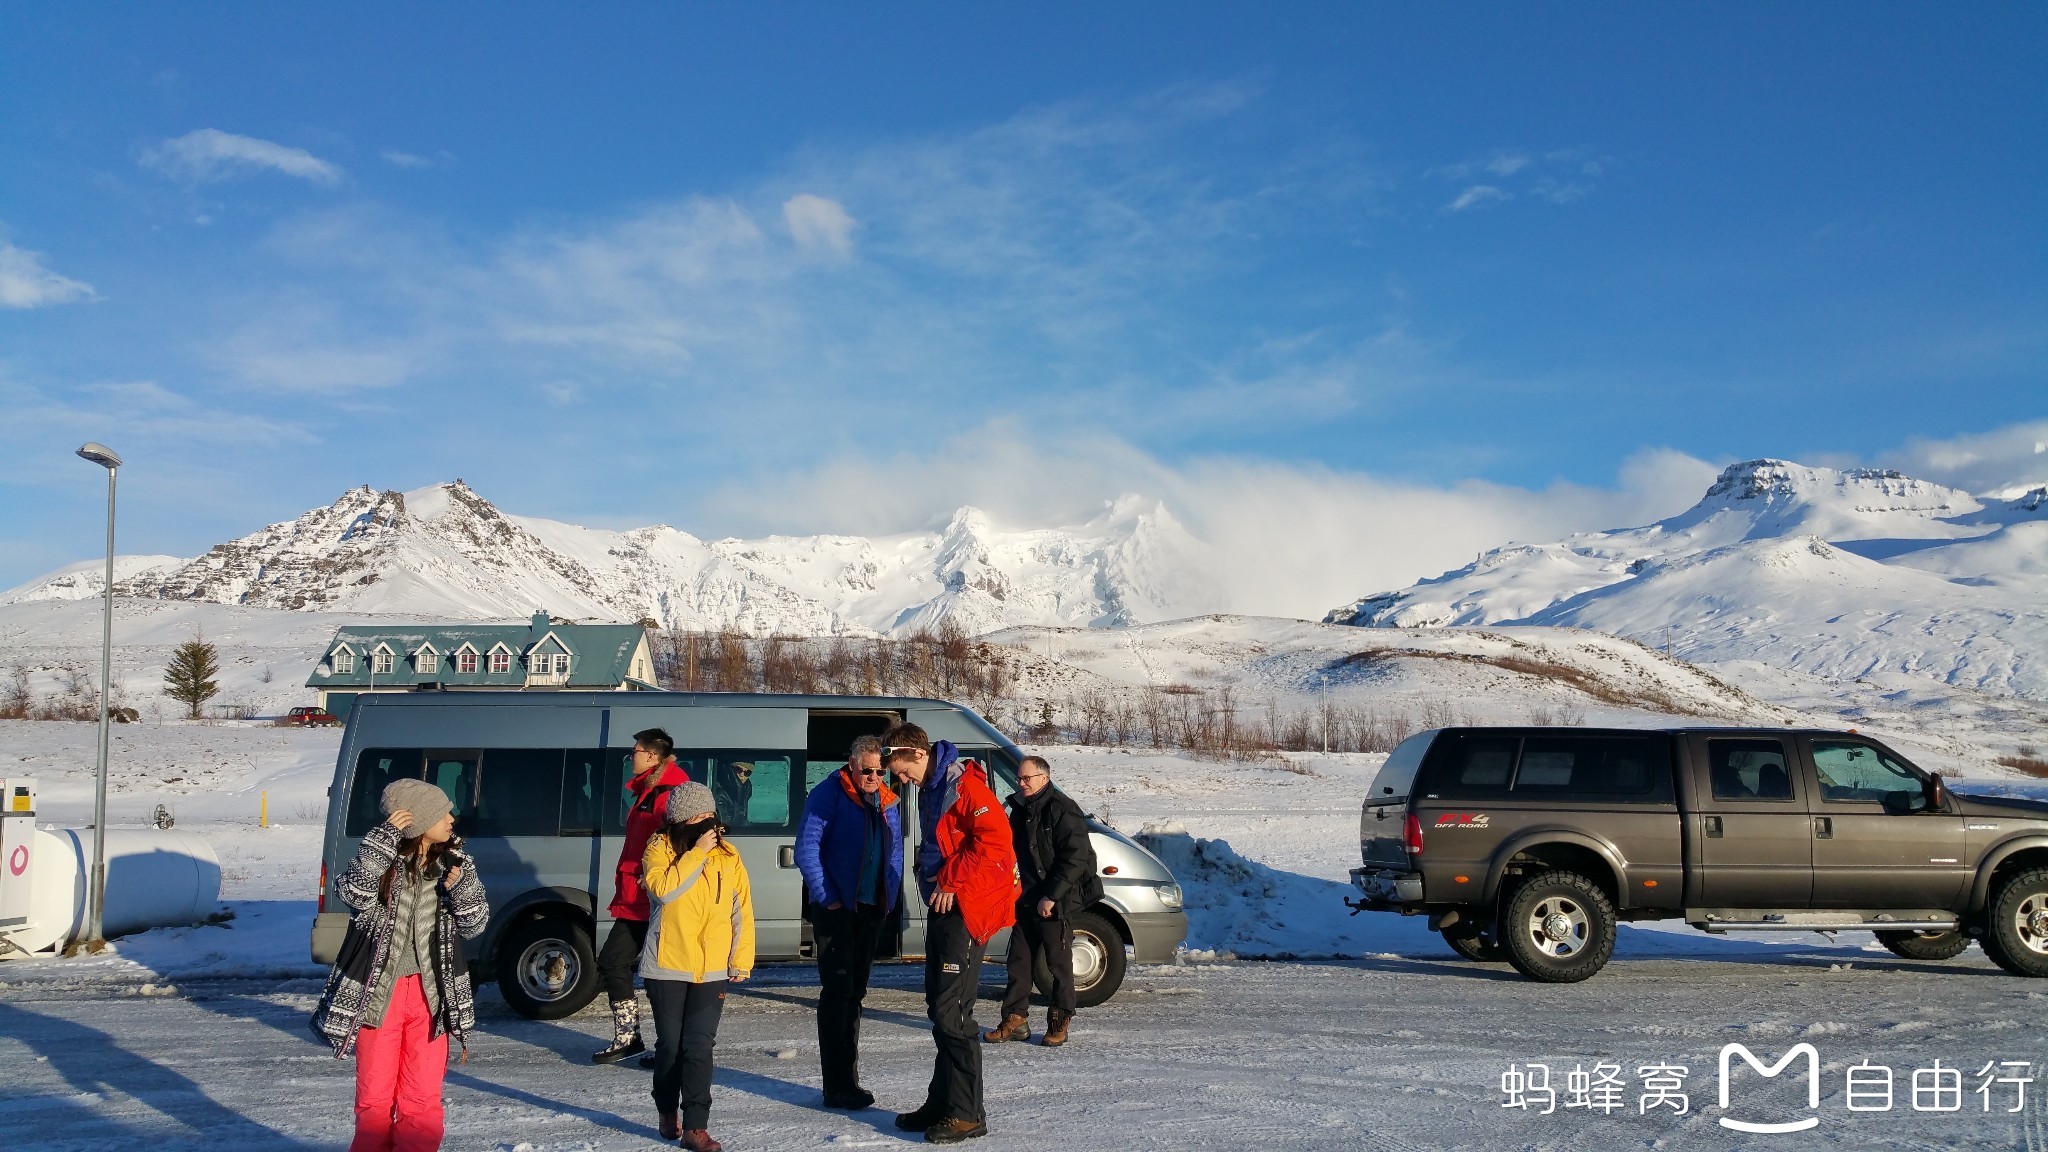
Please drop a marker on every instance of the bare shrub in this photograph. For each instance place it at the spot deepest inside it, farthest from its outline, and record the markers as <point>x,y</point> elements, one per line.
<point>2032,766</point>
<point>15,700</point>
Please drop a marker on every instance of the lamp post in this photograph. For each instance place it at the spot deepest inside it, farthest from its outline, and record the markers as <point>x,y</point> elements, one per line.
<point>96,891</point>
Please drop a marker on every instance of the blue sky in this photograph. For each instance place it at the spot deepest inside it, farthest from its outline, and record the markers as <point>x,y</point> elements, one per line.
<point>826,267</point>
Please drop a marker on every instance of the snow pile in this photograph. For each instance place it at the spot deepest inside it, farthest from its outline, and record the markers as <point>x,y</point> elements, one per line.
<point>1242,909</point>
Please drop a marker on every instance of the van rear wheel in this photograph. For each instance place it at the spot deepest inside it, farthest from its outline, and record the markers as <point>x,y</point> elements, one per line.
<point>547,968</point>
<point>1098,962</point>
<point>1558,928</point>
<point>1925,945</point>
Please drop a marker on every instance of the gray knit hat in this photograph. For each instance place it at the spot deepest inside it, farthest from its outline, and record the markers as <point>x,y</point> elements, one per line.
<point>426,803</point>
<point>687,800</point>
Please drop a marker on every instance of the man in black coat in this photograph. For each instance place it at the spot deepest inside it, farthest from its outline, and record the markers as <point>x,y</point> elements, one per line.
<point>1056,865</point>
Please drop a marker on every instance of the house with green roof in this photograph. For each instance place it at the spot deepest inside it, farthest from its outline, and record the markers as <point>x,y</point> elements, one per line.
<point>542,655</point>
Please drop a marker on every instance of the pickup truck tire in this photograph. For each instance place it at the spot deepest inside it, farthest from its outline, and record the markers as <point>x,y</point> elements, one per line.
<point>2016,934</point>
<point>1466,940</point>
<point>1558,928</point>
<point>1925,945</point>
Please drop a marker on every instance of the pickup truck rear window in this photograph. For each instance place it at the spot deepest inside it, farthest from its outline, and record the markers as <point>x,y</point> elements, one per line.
<point>1591,765</point>
<point>1562,767</point>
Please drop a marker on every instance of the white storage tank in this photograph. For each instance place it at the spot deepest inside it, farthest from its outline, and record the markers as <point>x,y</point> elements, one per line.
<point>155,879</point>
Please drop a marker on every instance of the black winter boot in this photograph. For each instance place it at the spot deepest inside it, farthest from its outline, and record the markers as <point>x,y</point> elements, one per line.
<point>625,1034</point>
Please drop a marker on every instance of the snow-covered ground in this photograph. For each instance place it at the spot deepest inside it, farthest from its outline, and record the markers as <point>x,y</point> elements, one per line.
<point>1351,1032</point>
<point>1384,1053</point>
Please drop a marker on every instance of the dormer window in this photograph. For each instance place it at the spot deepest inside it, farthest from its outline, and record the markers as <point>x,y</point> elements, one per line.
<point>427,662</point>
<point>465,661</point>
<point>380,662</point>
<point>344,662</point>
<point>501,661</point>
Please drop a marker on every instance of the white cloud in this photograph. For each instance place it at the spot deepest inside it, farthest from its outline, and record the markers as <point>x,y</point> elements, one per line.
<point>1558,176</point>
<point>398,159</point>
<point>1285,539</point>
<point>1476,195</point>
<point>208,154</point>
<point>1980,462</point>
<point>26,283</point>
<point>815,222</point>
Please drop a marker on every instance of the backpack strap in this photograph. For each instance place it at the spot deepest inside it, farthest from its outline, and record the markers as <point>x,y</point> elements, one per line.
<point>658,793</point>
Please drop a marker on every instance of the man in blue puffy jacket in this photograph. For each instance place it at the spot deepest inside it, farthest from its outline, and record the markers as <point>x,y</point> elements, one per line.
<point>850,851</point>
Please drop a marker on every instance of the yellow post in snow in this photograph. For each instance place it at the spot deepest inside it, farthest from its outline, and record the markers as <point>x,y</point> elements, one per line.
<point>263,810</point>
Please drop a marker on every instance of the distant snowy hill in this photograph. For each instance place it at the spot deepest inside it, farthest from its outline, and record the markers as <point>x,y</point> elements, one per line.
<point>446,551</point>
<point>1838,573</point>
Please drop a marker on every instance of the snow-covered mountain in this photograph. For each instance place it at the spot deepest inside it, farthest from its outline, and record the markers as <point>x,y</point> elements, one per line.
<point>1840,573</point>
<point>446,551</point>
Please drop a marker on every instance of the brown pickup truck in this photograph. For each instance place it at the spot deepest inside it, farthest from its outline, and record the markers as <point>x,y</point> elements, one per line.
<point>1529,844</point>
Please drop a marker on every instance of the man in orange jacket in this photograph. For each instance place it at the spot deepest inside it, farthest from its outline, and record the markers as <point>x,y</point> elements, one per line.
<point>967,872</point>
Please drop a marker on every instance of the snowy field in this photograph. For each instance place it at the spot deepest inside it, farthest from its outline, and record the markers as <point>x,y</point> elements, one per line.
<point>1289,1024</point>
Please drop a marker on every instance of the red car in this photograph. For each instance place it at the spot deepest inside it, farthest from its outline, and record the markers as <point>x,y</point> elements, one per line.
<point>309,718</point>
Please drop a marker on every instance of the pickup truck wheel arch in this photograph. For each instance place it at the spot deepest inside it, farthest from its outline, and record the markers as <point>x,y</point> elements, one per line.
<point>1544,852</point>
<point>2020,854</point>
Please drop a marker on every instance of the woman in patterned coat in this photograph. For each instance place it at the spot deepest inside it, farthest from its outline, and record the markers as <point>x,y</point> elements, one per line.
<point>400,984</point>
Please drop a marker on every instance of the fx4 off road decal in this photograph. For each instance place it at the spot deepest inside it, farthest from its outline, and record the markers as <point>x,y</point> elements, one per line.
<point>1463,820</point>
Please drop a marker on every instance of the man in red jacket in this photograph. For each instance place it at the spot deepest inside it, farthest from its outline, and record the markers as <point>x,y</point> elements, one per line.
<point>655,772</point>
<point>967,871</point>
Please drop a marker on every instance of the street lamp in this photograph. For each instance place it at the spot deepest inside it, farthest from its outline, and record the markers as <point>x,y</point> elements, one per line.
<point>96,892</point>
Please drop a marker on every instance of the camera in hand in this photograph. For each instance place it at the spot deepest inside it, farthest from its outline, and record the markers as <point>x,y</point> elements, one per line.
<point>686,834</point>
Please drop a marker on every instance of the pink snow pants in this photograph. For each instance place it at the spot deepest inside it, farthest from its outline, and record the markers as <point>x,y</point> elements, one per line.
<point>398,1077</point>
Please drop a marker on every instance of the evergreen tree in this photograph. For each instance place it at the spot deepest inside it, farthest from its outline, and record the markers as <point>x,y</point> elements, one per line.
<point>189,678</point>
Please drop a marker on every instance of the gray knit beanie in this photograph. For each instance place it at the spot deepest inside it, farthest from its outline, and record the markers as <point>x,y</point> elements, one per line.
<point>687,800</point>
<point>426,803</point>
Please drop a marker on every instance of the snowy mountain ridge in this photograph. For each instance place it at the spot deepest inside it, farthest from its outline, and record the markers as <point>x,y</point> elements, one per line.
<point>446,551</point>
<point>1840,573</point>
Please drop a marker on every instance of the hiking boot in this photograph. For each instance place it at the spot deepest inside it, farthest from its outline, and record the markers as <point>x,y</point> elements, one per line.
<point>698,1140</point>
<point>852,1100</point>
<point>1055,1028</point>
<point>953,1130</point>
<point>1012,1028</point>
<point>920,1120</point>
<point>671,1125</point>
<point>625,1034</point>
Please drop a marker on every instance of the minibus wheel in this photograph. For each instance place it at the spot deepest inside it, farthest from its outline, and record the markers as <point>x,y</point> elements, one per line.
<point>547,968</point>
<point>1098,962</point>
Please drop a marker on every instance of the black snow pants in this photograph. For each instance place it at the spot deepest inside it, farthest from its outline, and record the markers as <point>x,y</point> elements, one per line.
<point>952,981</point>
<point>619,959</point>
<point>1032,937</point>
<point>846,939</point>
<point>685,1028</point>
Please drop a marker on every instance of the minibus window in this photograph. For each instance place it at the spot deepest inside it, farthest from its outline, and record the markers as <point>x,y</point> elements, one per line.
<point>518,793</point>
<point>582,790</point>
<point>454,773</point>
<point>751,789</point>
<point>376,767</point>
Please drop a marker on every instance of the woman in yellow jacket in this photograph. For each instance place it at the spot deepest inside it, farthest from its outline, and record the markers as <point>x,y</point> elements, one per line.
<point>700,936</point>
